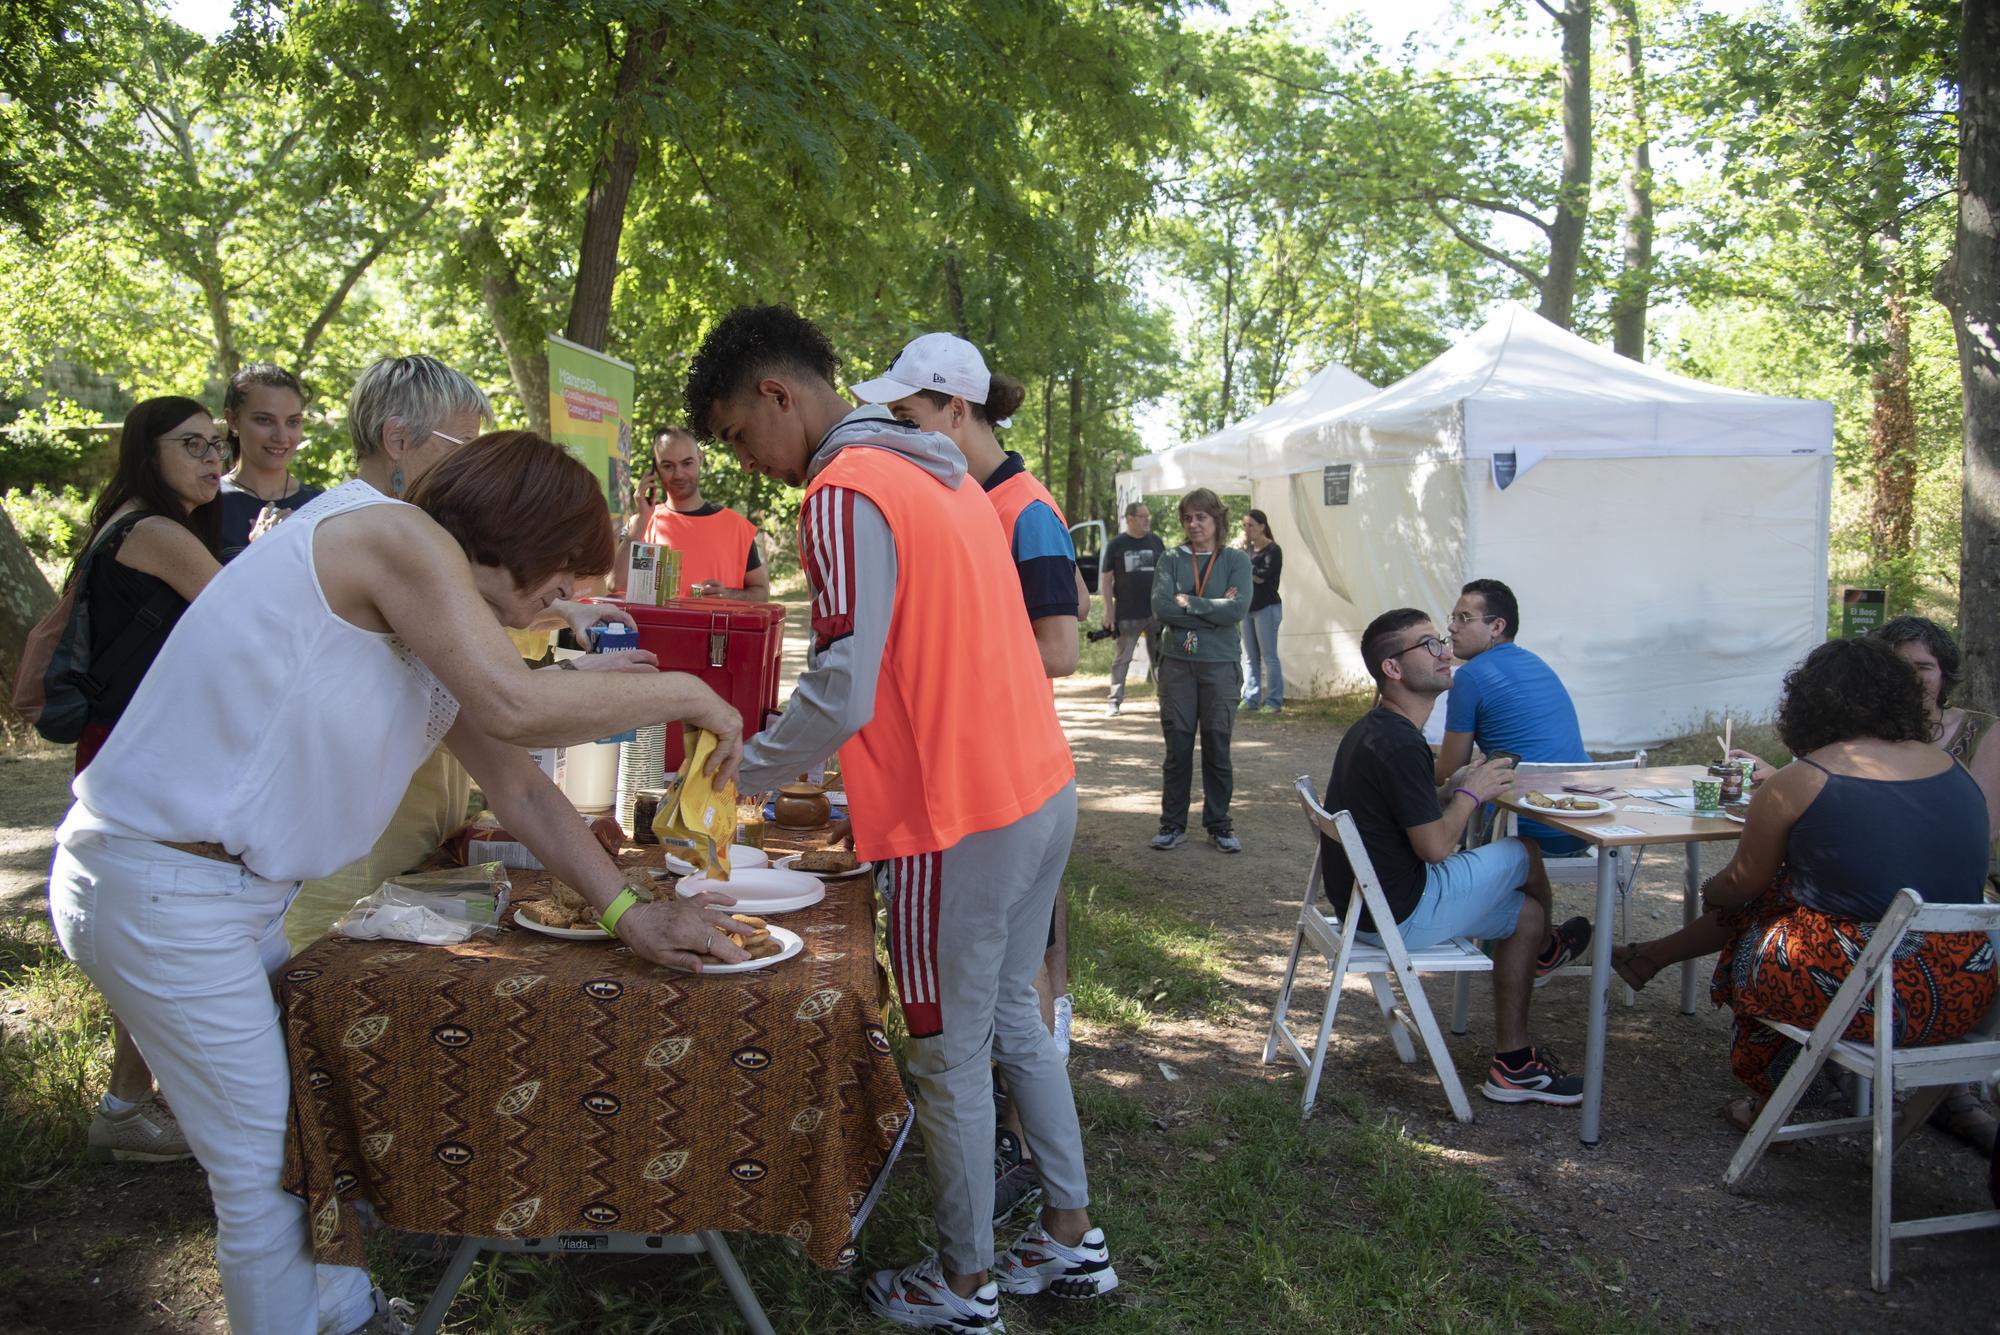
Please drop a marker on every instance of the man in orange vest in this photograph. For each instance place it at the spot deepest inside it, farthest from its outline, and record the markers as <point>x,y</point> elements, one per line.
<point>926,680</point>
<point>718,547</point>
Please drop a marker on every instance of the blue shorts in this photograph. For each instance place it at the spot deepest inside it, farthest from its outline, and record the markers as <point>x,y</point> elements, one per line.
<point>1476,893</point>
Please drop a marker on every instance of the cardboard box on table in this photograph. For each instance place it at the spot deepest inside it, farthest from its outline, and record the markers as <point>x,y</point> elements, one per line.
<point>736,648</point>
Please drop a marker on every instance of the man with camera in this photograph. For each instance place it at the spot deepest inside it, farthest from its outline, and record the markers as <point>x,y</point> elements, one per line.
<point>1129,560</point>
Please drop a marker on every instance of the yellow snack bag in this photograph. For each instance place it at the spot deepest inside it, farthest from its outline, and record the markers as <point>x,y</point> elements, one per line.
<point>695,815</point>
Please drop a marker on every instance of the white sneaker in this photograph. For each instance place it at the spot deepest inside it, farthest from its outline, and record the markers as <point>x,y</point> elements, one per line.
<point>144,1133</point>
<point>917,1296</point>
<point>1065,1018</point>
<point>1111,710</point>
<point>1039,1264</point>
<point>392,1316</point>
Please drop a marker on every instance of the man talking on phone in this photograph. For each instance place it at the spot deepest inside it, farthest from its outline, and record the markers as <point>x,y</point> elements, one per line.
<point>718,546</point>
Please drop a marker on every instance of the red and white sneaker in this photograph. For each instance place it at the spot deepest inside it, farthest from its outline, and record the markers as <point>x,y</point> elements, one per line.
<point>917,1296</point>
<point>1037,1263</point>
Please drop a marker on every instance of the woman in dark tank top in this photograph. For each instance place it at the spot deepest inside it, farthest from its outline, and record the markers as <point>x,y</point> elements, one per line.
<point>1870,806</point>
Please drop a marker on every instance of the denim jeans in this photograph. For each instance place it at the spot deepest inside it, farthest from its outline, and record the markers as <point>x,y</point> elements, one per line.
<point>1263,676</point>
<point>184,948</point>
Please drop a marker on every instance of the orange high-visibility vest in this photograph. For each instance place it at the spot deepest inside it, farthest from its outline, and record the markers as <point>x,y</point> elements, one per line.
<point>712,547</point>
<point>1016,494</point>
<point>964,737</point>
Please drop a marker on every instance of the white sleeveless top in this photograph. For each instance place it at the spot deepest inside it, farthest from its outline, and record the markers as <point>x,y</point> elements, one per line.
<point>268,724</point>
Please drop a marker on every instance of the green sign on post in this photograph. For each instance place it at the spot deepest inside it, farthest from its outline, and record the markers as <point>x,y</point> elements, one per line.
<point>1862,610</point>
<point>590,407</point>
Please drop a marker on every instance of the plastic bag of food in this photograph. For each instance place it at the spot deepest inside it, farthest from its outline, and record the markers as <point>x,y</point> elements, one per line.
<point>432,908</point>
<point>696,818</point>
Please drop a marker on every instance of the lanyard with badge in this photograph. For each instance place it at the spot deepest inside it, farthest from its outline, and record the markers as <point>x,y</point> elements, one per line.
<point>1190,639</point>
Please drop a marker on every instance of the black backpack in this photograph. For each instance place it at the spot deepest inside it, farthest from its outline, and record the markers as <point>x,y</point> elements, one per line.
<point>59,679</point>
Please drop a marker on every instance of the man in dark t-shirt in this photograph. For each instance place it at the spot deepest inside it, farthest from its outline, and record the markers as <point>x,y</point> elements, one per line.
<point>1129,561</point>
<point>1410,830</point>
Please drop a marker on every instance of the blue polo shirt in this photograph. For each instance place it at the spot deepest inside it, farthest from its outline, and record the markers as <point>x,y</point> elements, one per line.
<point>1510,700</point>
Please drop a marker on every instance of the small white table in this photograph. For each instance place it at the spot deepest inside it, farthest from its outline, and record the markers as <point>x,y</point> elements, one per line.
<point>1655,825</point>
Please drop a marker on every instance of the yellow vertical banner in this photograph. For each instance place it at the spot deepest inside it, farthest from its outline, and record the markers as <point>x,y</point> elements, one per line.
<point>590,413</point>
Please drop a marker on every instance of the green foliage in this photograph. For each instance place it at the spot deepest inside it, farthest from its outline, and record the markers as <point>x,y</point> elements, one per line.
<point>50,446</point>
<point>55,1049</point>
<point>52,524</point>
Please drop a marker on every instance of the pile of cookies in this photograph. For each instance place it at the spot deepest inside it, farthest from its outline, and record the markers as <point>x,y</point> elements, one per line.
<point>755,938</point>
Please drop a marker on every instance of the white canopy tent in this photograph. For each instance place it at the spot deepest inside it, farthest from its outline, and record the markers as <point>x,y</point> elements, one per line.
<point>1223,460</point>
<point>1667,539</point>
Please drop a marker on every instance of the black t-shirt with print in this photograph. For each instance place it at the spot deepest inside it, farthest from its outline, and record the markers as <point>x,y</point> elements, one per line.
<point>1130,561</point>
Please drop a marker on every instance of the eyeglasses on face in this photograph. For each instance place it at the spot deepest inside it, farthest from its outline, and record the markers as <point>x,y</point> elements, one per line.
<point>1436,647</point>
<point>446,436</point>
<point>1457,619</point>
<point>199,447</point>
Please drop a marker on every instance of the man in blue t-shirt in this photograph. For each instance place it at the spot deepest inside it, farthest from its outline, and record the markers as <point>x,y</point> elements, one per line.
<point>1505,698</point>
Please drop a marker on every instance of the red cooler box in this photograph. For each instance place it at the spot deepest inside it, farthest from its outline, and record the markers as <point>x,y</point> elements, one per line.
<point>734,647</point>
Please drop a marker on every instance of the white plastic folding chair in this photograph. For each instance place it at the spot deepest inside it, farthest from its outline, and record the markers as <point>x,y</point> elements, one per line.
<point>1335,941</point>
<point>1892,1070</point>
<point>1580,869</point>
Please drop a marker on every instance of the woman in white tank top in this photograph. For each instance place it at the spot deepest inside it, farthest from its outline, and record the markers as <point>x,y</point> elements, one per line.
<point>271,742</point>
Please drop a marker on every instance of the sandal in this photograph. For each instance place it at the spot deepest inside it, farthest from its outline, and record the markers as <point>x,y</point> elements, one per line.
<point>1626,961</point>
<point>1964,1116</point>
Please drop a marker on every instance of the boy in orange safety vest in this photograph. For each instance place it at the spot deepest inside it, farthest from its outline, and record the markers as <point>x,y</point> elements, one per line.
<point>926,681</point>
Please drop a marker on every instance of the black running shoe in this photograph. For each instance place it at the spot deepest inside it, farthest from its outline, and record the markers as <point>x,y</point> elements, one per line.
<point>1015,1182</point>
<point>1541,1080</point>
<point>1566,946</point>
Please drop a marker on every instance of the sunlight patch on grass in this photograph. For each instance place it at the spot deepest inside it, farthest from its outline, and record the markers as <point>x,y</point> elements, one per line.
<point>1130,959</point>
<point>55,1048</point>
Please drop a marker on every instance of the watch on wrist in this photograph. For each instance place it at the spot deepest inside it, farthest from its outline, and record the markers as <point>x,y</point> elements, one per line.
<point>627,897</point>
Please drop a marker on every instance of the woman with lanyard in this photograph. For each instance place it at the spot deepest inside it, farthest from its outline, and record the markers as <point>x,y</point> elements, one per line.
<point>1200,592</point>
<point>265,408</point>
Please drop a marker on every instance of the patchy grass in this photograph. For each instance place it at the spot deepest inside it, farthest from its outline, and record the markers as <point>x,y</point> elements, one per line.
<point>1130,959</point>
<point>1226,1213</point>
<point>55,1054</point>
<point>1699,747</point>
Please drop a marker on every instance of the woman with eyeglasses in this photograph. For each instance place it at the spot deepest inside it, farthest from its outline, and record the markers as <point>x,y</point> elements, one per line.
<point>151,550</point>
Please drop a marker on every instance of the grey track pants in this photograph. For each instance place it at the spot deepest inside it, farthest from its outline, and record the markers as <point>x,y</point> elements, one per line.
<point>967,929</point>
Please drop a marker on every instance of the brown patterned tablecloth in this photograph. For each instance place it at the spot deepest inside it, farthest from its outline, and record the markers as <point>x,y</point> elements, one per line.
<point>519,1086</point>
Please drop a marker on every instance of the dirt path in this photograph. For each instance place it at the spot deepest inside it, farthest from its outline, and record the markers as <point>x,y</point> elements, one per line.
<point>1645,1211</point>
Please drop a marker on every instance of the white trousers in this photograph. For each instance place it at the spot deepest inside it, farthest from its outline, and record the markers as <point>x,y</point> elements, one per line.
<point>184,948</point>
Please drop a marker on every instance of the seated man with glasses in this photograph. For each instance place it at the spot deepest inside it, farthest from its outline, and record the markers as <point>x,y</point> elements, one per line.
<point>1411,827</point>
<point>1506,699</point>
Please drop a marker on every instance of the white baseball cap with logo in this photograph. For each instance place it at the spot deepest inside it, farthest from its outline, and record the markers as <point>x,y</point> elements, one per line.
<point>941,363</point>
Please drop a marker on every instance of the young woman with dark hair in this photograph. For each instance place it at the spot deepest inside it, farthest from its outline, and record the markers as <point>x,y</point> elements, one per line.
<point>151,550</point>
<point>1869,806</point>
<point>272,743</point>
<point>1263,675</point>
<point>264,408</point>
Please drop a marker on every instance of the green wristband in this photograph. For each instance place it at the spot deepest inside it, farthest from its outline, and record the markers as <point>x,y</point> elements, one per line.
<point>627,897</point>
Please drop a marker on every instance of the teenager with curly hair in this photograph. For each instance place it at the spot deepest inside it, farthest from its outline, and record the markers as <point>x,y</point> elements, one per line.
<point>1869,806</point>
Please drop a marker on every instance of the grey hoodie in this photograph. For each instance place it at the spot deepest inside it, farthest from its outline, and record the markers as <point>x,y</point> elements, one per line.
<point>835,697</point>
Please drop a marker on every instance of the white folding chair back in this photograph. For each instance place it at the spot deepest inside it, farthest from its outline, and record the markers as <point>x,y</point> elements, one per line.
<point>1388,966</point>
<point>1580,869</point>
<point>1892,1071</point>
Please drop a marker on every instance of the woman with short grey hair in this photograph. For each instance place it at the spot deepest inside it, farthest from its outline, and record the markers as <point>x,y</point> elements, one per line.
<point>402,407</point>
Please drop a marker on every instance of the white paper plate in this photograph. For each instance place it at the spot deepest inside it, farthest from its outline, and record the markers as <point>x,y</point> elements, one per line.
<point>563,933</point>
<point>790,862</point>
<point>792,942</point>
<point>763,892</point>
<point>742,857</point>
<point>1599,807</point>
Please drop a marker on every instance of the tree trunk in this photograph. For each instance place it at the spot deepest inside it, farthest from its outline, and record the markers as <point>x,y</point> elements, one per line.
<point>1635,279</point>
<point>25,598</point>
<point>1892,433</point>
<point>527,357</point>
<point>1048,428</point>
<point>1073,471</point>
<point>954,295</point>
<point>1573,194</point>
<point>1228,327</point>
<point>1976,322</point>
<point>610,187</point>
